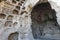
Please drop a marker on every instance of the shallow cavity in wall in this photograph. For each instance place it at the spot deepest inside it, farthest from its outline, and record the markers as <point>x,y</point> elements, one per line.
<point>13,36</point>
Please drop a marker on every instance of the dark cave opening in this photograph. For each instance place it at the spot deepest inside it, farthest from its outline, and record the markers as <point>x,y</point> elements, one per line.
<point>44,21</point>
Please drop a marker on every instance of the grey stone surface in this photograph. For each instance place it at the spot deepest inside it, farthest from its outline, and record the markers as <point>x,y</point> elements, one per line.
<point>15,16</point>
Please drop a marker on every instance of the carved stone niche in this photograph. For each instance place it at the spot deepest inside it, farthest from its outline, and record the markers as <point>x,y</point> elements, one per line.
<point>2,16</point>
<point>13,36</point>
<point>15,12</point>
<point>10,17</point>
<point>44,22</point>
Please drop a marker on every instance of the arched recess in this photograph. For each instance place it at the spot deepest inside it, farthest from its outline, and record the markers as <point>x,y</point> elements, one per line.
<point>13,36</point>
<point>44,22</point>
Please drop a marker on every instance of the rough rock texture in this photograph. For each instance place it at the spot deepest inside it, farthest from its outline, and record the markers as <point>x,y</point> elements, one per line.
<point>44,22</point>
<point>15,18</point>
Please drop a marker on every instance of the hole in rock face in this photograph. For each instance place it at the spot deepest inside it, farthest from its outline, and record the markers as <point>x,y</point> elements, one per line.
<point>15,23</point>
<point>13,1</point>
<point>13,36</point>
<point>18,7</point>
<point>22,1</point>
<point>10,17</point>
<point>24,12</point>
<point>20,4</point>
<point>8,23</point>
<point>44,22</point>
<point>15,12</point>
<point>2,16</point>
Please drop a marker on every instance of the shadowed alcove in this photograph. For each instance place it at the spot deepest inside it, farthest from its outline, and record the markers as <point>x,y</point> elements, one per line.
<point>13,36</point>
<point>44,22</point>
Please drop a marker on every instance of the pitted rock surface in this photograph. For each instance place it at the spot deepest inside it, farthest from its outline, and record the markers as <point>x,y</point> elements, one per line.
<point>15,18</point>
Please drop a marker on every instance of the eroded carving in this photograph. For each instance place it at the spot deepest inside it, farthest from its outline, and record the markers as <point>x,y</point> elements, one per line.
<point>15,23</point>
<point>2,16</point>
<point>13,36</point>
<point>8,23</point>
<point>18,7</point>
<point>10,17</point>
<point>15,12</point>
<point>24,12</point>
<point>13,1</point>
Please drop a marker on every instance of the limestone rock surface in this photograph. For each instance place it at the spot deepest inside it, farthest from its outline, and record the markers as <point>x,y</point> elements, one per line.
<point>15,18</point>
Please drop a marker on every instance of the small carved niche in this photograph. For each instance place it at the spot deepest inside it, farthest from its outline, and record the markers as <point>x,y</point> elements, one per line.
<point>8,23</point>
<point>13,1</point>
<point>18,7</point>
<point>15,12</point>
<point>22,1</point>
<point>15,23</point>
<point>2,16</point>
<point>24,12</point>
<point>13,36</point>
<point>10,17</point>
<point>20,4</point>
<point>23,8</point>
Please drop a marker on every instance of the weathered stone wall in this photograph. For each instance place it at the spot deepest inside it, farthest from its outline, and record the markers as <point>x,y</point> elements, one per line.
<point>15,16</point>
